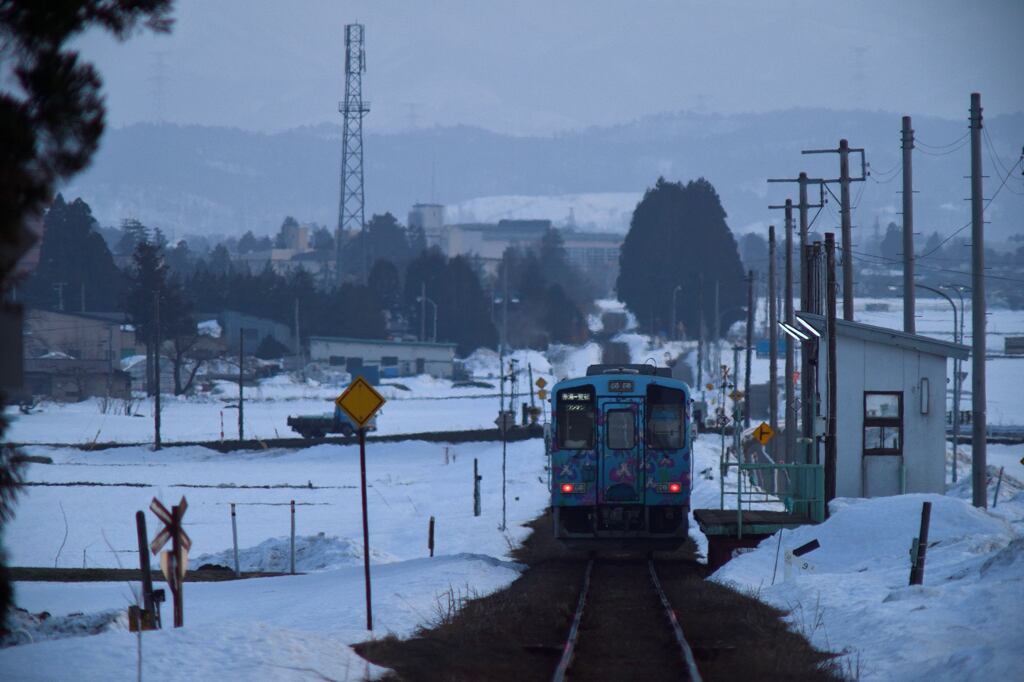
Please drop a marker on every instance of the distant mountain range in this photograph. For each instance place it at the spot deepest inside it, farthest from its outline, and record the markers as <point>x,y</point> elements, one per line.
<point>195,179</point>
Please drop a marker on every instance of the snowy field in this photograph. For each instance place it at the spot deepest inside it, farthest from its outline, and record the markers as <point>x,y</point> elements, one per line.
<point>282,628</point>
<point>851,598</point>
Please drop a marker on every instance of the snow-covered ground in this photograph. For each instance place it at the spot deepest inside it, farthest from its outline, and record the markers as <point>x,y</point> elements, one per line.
<point>852,595</point>
<point>266,628</point>
<point>962,624</point>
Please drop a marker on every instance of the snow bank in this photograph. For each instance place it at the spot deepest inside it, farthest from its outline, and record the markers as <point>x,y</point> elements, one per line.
<point>851,594</point>
<point>312,553</point>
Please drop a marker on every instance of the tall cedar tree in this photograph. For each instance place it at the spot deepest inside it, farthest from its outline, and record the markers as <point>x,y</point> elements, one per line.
<point>74,257</point>
<point>677,233</point>
<point>50,125</point>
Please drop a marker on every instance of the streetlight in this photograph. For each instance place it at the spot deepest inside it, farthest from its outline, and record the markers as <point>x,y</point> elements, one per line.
<point>672,329</point>
<point>957,378</point>
<point>956,372</point>
<point>420,299</point>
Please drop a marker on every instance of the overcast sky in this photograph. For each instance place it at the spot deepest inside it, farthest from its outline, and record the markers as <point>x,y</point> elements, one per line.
<point>539,67</point>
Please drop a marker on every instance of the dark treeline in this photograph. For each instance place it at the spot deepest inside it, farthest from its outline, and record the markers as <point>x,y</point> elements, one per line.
<point>404,287</point>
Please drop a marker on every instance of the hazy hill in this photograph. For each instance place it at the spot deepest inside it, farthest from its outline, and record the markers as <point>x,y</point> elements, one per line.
<point>223,180</point>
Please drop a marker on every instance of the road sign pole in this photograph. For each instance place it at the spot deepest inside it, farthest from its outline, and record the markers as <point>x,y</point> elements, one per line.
<point>366,529</point>
<point>176,579</point>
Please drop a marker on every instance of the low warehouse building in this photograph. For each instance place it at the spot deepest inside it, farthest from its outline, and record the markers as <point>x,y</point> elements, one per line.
<point>392,358</point>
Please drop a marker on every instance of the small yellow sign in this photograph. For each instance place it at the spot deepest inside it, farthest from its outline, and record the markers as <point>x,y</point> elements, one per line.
<point>541,383</point>
<point>763,433</point>
<point>736,395</point>
<point>360,401</point>
<point>710,386</point>
<point>542,394</point>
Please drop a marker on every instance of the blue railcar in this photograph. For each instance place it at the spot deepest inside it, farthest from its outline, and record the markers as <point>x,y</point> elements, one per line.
<point>621,460</point>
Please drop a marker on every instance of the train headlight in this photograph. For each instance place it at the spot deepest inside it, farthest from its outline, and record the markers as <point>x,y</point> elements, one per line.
<point>567,487</point>
<point>573,488</point>
<point>675,487</point>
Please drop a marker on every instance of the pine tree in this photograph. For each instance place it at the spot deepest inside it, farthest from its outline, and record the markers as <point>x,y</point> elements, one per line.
<point>677,233</point>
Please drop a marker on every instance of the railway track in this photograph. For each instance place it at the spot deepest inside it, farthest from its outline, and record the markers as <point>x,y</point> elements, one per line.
<point>622,632</point>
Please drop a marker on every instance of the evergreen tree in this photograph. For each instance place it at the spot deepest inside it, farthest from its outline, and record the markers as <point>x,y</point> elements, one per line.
<point>323,240</point>
<point>281,240</point>
<point>75,257</point>
<point>892,242</point>
<point>386,285</point>
<point>132,232</point>
<point>677,233</point>
<point>248,243</point>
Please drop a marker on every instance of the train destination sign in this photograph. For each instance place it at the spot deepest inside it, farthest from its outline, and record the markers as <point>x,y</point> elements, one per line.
<point>620,386</point>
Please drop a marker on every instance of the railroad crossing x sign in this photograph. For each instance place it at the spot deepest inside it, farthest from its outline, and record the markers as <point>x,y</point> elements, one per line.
<point>360,401</point>
<point>763,433</point>
<point>164,535</point>
<point>541,383</point>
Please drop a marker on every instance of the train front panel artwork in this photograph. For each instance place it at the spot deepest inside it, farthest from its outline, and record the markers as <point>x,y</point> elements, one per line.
<point>620,458</point>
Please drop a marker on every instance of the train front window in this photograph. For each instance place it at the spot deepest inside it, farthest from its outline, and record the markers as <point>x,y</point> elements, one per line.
<point>576,418</point>
<point>666,412</point>
<point>621,428</point>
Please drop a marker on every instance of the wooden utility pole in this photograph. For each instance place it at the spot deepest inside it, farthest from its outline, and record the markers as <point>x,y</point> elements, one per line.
<point>979,454</point>
<point>700,332</point>
<point>750,347</point>
<point>830,328</point>
<point>844,181</point>
<point>773,344</point>
<point>241,382</point>
<point>908,227</point>
<point>156,371</point>
<point>789,368</point>
<point>844,215</point>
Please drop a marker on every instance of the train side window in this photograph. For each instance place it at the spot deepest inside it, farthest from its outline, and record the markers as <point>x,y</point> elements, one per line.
<point>666,412</point>
<point>620,426</point>
<point>576,418</point>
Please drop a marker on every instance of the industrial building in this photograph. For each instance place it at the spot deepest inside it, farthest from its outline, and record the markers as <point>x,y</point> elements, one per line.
<point>392,358</point>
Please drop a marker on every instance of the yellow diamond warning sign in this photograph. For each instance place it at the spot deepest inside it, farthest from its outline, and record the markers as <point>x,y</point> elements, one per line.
<point>763,433</point>
<point>541,383</point>
<point>360,401</point>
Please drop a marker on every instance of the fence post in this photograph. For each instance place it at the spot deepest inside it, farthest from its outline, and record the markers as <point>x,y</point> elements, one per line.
<point>293,538</point>
<point>476,489</point>
<point>995,497</point>
<point>920,546</point>
<point>234,539</point>
<point>430,536</point>
<point>147,576</point>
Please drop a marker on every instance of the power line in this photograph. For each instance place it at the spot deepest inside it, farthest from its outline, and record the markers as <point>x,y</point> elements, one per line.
<point>917,141</point>
<point>945,153</point>
<point>996,160</point>
<point>968,223</point>
<point>858,255</point>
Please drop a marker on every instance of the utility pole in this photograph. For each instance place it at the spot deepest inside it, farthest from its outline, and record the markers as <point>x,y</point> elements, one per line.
<point>789,367</point>
<point>750,347</point>
<point>241,382</point>
<point>156,370</point>
<point>298,340</point>
<point>700,331</point>
<point>423,311</point>
<point>908,227</point>
<point>717,331</point>
<point>59,286</point>
<point>830,318</point>
<point>773,344</point>
<point>979,453</point>
<point>790,414</point>
<point>844,215</point>
<point>844,181</point>
<point>803,207</point>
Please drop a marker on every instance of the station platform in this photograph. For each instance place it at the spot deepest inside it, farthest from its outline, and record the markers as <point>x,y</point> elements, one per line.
<point>728,530</point>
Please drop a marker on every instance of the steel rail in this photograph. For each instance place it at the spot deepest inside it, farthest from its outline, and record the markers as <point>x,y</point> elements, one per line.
<point>677,630</point>
<point>574,630</point>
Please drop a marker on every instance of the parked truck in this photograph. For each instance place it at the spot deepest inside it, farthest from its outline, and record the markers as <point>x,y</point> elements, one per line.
<point>318,426</point>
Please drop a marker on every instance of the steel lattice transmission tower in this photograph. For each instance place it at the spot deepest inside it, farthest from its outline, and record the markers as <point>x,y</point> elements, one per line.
<point>350,211</point>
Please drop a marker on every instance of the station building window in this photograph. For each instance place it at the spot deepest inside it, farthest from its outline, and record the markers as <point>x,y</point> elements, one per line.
<point>883,423</point>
